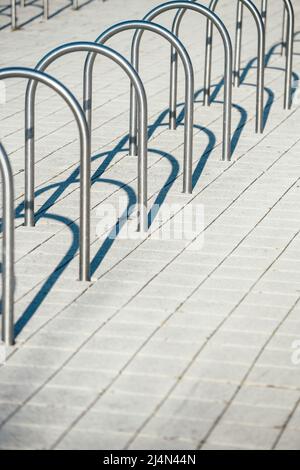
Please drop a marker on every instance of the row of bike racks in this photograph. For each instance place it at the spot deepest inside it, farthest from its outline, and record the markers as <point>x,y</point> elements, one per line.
<point>46,6</point>
<point>138,131</point>
<point>287,41</point>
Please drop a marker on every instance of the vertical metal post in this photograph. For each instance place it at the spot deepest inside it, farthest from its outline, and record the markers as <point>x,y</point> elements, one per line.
<point>75,5</point>
<point>284,31</point>
<point>173,90</point>
<point>208,62</point>
<point>8,280</point>
<point>46,9</point>
<point>13,15</point>
<point>264,11</point>
<point>260,76</point>
<point>289,54</point>
<point>238,43</point>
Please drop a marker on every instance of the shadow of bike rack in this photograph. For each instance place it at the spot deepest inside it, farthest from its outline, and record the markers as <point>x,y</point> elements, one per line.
<point>8,277</point>
<point>182,6</point>
<point>85,159</point>
<point>143,131</point>
<point>189,88</point>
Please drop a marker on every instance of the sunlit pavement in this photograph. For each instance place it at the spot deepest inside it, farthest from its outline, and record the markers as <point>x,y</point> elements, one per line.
<point>184,339</point>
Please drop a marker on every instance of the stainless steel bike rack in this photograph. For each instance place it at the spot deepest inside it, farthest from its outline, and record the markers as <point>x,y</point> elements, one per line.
<point>189,86</point>
<point>75,6</point>
<point>143,126</point>
<point>14,23</point>
<point>8,278</point>
<point>261,56</point>
<point>288,40</point>
<point>186,5</point>
<point>85,157</point>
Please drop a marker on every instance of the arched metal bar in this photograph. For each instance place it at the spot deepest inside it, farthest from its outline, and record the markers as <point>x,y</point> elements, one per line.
<point>288,33</point>
<point>186,5</point>
<point>8,278</point>
<point>143,114</point>
<point>264,11</point>
<point>261,56</point>
<point>189,86</point>
<point>85,154</point>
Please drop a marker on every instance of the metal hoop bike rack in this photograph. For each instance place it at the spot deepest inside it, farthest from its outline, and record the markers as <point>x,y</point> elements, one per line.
<point>186,5</point>
<point>189,87</point>
<point>259,124</point>
<point>8,278</point>
<point>143,123</point>
<point>208,56</point>
<point>288,40</point>
<point>85,163</point>
<point>14,21</point>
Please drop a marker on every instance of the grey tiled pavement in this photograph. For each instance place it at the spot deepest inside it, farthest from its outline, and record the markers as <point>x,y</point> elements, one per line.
<point>170,347</point>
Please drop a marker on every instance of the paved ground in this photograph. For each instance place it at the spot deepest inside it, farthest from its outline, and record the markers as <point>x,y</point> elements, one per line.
<point>173,345</point>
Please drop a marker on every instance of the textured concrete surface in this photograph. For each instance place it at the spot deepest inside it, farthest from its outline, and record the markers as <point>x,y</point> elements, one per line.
<point>174,344</point>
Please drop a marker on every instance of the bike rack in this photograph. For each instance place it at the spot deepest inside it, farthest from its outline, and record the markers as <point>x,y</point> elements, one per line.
<point>288,41</point>
<point>143,128</point>
<point>85,158</point>
<point>189,87</point>
<point>8,277</point>
<point>14,22</point>
<point>186,5</point>
<point>259,125</point>
<point>208,55</point>
<point>75,6</point>
<point>284,31</point>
